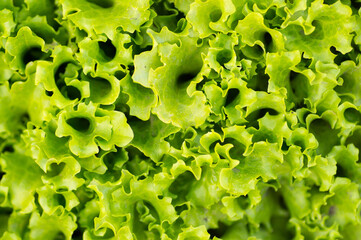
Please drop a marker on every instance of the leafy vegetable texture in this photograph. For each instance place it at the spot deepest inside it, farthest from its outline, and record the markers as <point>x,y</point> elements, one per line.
<point>180,119</point>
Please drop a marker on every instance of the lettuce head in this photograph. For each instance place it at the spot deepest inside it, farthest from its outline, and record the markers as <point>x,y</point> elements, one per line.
<point>180,119</point>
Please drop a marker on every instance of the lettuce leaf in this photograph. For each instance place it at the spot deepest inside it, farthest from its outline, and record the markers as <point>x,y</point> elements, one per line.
<point>180,119</point>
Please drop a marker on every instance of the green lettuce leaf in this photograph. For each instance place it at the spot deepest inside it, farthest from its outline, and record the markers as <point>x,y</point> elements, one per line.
<point>180,119</point>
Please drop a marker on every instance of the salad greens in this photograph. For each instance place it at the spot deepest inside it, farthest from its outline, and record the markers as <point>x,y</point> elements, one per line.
<point>180,119</point>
